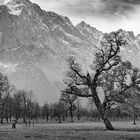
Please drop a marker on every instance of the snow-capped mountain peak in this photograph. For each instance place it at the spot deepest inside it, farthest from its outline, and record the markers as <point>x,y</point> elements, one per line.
<point>38,42</point>
<point>14,7</point>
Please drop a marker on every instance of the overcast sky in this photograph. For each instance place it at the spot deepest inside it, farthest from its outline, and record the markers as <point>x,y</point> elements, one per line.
<point>105,15</point>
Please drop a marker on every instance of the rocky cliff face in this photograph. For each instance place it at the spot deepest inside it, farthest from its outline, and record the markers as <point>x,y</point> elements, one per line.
<point>34,45</point>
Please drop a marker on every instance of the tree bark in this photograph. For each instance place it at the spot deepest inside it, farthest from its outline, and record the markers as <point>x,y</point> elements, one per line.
<point>71,112</point>
<point>59,118</point>
<point>47,118</point>
<point>134,118</point>
<point>100,108</point>
<point>7,119</point>
<point>2,115</point>
<point>6,114</point>
<point>78,117</point>
<point>1,120</point>
<point>108,124</point>
<point>134,121</point>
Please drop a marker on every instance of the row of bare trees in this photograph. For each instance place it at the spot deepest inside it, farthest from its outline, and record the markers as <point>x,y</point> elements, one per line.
<point>17,103</point>
<point>22,104</point>
<point>67,106</point>
<point>88,112</point>
<point>5,90</point>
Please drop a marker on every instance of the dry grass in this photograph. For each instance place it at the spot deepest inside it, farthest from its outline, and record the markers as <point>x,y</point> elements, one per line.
<point>71,131</point>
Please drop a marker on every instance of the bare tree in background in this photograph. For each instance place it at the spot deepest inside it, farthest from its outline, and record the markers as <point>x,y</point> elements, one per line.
<point>69,101</point>
<point>78,109</point>
<point>58,110</point>
<point>46,111</point>
<point>27,100</point>
<point>17,108</point>
<point>132,104</point>
<point>5,90</point>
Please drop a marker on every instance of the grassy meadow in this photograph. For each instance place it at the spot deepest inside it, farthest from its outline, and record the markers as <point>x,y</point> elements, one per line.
<point>124,130</point>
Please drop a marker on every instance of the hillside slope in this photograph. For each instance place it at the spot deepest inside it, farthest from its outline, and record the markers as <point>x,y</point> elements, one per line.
<point>34,45</point>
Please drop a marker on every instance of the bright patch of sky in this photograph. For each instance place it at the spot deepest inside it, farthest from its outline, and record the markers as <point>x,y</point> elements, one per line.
<point>105,15</point>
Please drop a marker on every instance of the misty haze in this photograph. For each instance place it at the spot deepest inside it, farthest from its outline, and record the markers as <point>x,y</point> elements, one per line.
<point>69,69</point>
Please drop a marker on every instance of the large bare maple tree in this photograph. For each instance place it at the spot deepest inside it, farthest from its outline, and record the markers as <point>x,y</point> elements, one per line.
<point>106,61</point>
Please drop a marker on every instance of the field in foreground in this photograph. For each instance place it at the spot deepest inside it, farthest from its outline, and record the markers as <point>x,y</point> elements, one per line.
<point>71,131</point>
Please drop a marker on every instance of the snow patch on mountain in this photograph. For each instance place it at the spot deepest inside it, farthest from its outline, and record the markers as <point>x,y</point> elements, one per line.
<point>64,41</point>
<point>72,37</point>
<point>69,36</point>
<point>7,1</point>
<point>14,8</point>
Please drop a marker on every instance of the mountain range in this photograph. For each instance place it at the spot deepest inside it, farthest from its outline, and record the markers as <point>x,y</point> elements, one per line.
<point>34,45</point>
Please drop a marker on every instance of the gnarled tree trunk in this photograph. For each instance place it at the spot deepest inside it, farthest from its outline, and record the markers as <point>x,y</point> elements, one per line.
<point>108,124</point>
<point>101,109</point>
